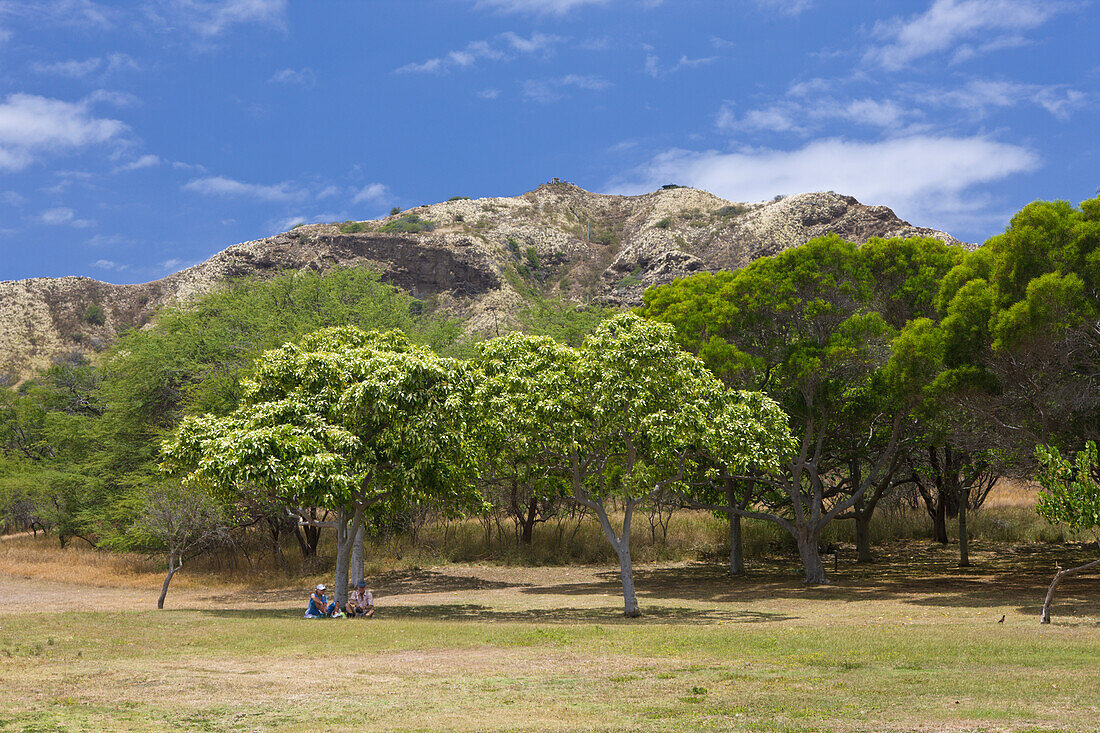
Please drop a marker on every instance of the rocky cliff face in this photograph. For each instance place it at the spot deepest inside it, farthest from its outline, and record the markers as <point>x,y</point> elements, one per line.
<point>481,259</point>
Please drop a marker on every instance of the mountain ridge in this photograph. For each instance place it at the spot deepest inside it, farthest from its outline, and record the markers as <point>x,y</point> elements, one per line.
<point>476,258</point>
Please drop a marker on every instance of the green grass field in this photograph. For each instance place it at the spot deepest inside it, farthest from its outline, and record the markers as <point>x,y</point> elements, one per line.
<point>910,643</point>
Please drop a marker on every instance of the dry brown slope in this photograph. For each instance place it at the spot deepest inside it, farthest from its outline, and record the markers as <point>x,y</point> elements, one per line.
<point>481,260</point>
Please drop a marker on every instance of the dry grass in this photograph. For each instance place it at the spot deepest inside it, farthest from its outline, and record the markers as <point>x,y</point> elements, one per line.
<point>910,643</point>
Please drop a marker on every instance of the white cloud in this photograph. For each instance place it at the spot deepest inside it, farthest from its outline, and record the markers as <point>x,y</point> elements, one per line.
<point>373,193</point>
<point>228,187</point>
<point>551,90</point>
<point>30,125</point>
<point>300,77</point>
<point>145,161</point>
<point>72,68</point>
<point>488,94</point>
<point>927,179</point>
<point>108,96</point>
<point>786,7</point>
<point>495,50</point>
<point>63,215</point>
<point>538,42</point>
<point>802,116</point>
<point>948,22</point>
<point>537,7</point>
<point>210,18</point>
<point>109,265</point>
<point>979,96</point>
<point>11,198</point>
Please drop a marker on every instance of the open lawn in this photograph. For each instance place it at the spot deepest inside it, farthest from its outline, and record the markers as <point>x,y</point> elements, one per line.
<point>910,643</point>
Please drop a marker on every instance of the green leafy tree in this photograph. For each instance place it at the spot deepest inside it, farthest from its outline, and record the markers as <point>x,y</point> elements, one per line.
<point>345,420</point>
<point>1070,496</point>
<point>802,327</point>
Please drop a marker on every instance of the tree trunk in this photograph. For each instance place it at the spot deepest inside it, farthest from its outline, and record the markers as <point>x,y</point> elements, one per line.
<point>807,538</point>
<point>964,538</point>
<point>529,521</point>
<point>621,545</point>
<point>344,545</point>
<point>626,572</point>
<point>1059,576</point>
<point>357,557</point>
<point>172,568</point>
<point>737,547</point>
<point>863,537</point>
<point>939,521</point>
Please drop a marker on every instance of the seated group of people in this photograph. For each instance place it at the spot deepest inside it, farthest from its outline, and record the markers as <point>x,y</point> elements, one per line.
<point>360,604</point>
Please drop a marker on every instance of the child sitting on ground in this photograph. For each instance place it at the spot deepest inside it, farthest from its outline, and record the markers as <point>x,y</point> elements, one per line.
<point>361,603</point>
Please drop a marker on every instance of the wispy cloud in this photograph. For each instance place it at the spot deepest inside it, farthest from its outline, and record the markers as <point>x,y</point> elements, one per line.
<point>31,125</point>
<point>545,91</point>
<point>64,216</point>
<point>927,178</point>
<point>537,7</point>
<point>210,18</point>
<point>785,7</point>
<point>653,65</point>
<point>109,265</point>
<point>76,69</point>
<point>304,77</point>
<point>500,48</point>
<point>979,96</point>
<point>372,193</point>
<point>231,188</point>
<point>146,161</point>
<point>488,94</point>
<point>802,116</point>
<point>948,23</point>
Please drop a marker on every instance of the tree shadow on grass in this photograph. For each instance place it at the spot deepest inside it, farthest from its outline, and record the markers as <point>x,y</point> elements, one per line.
<point>922,574</point>
<point>396,582</point>
<point>480,613</point>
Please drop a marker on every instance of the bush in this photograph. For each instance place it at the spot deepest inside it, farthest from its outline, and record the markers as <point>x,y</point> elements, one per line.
<point>408,225</point>
<point>459,198</point>
<point>532,258</point>
<point>95,315</point>
<point>731,211</point>
<point>395,210</point>
<point>351,227</point>
<point>664,223</point>
<point>513,246</point>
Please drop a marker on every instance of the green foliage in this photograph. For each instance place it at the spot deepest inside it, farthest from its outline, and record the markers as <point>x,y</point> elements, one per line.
<point>94,315</point>
<point>663,223</point>
<point>732,211</point>
<point>566,323</point>
<point>458,198</point>
<point>395,210</point>
<point>532,256</point>
<point>352,227</point>
<point>408,224</point>
<point>1071,489</point>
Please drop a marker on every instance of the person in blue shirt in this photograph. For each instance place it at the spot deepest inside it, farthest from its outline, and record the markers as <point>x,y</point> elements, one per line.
<point>318,605</point>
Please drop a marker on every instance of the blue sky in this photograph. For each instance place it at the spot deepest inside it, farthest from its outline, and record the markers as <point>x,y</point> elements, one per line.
<point>138,138</point>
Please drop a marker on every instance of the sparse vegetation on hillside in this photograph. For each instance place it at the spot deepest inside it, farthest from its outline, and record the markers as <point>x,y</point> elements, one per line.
<point>408,224</point>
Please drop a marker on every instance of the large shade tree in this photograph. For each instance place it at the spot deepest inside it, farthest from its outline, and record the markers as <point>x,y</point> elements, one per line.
<point>345,420</point>
<point>802,326</point>
<point>621,419</point>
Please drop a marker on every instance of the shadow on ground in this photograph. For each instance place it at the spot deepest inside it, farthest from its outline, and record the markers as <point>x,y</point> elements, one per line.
<point>476,612</point>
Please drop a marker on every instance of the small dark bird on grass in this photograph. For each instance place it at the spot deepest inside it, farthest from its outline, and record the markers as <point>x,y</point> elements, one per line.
<point>1002,619</point>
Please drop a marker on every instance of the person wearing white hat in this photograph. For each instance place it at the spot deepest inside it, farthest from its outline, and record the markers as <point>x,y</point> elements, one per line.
<point>319,607</point>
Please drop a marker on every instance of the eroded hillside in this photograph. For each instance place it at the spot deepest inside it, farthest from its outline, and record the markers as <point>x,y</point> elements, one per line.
<point>479,259</point>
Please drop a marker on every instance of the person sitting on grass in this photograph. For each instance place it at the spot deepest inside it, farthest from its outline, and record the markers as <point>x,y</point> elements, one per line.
<point>361,603</point>
<point>318,605</point>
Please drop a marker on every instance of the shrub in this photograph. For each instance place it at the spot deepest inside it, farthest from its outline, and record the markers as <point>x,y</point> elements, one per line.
<point>664,223</point>
<point>351,227</point>
<point>731,211</point>
<point>408,225</point>
<point>459,198</point>
<point>459,217</point>
<point>670,186</point>
<point>395,210</point>
<point>532,257</point>
<point>513,246</point>
<point>95,315</point>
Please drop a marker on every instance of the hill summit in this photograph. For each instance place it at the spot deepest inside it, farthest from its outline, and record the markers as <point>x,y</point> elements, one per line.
<point>480,259</point>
